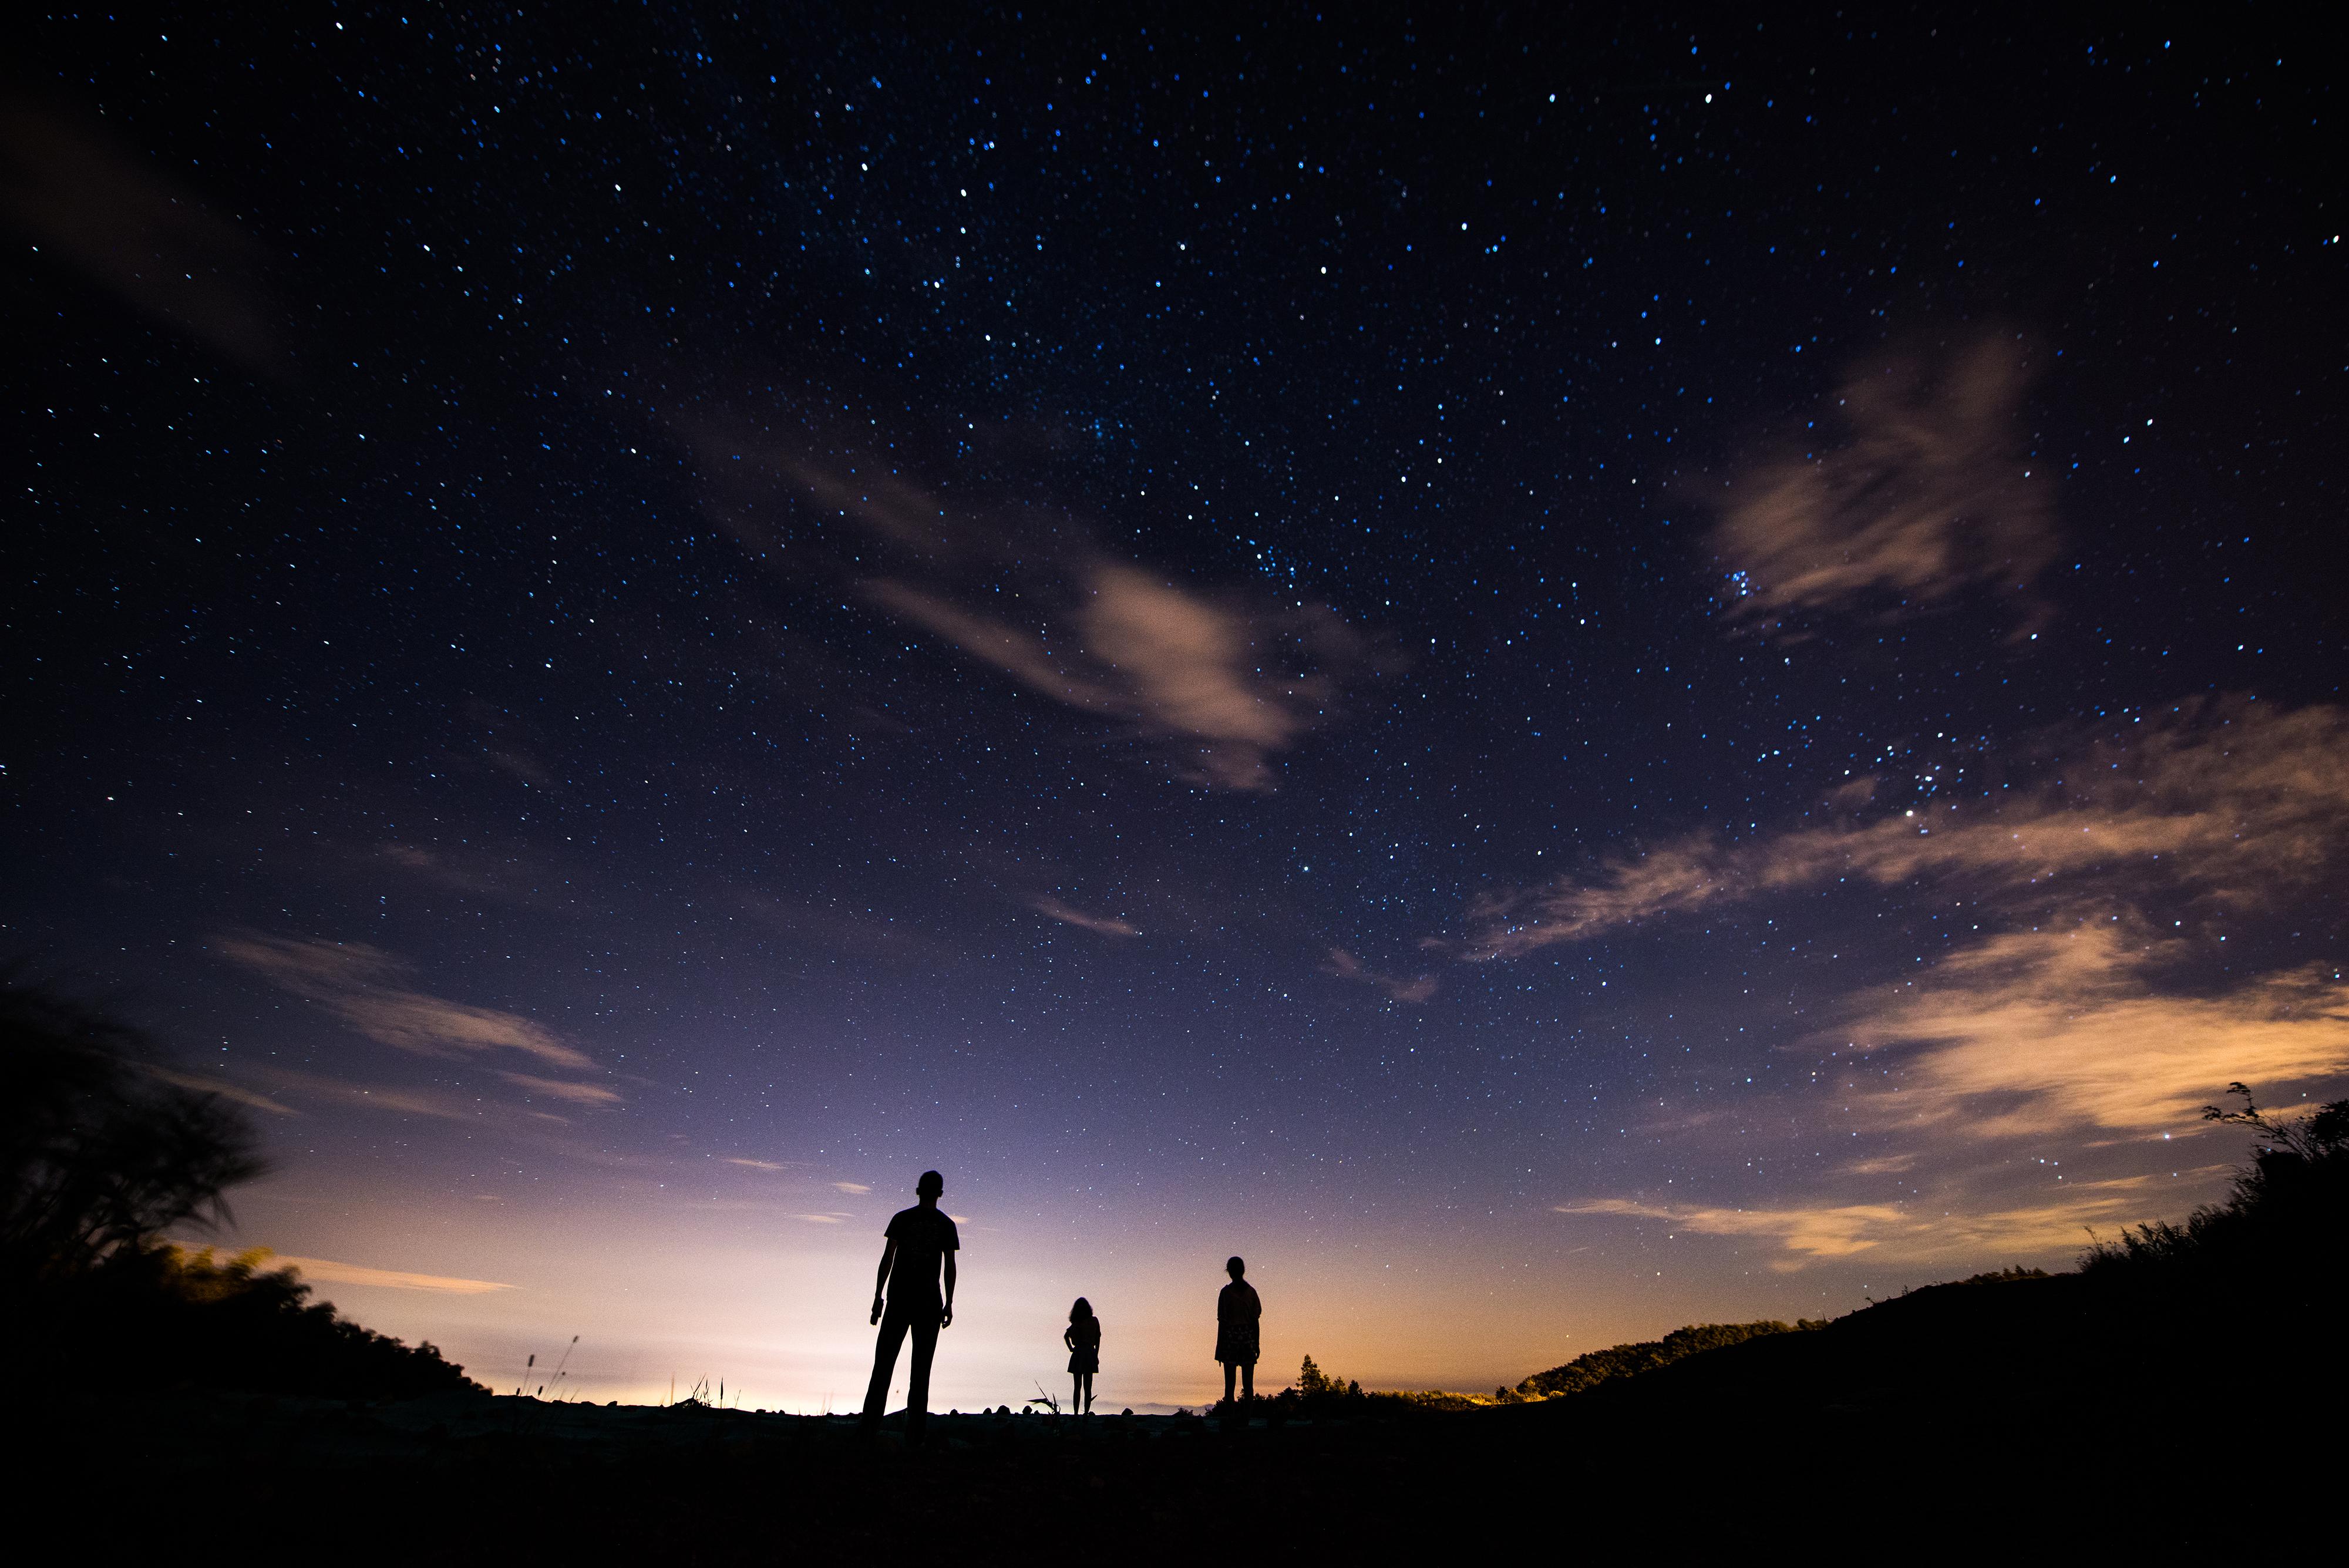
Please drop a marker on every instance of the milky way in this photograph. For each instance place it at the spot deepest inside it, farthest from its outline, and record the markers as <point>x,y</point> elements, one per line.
<point>1556,677</point>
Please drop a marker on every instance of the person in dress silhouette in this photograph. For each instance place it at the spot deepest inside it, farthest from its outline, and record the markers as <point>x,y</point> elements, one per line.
<point>1237,1312</point>
<point>1083,1339</point>
<point>921,1244</point>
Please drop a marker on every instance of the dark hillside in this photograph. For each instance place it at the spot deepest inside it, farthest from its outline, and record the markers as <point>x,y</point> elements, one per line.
<point>1589,1371</point>
<point>2035,1340</point>
<point>161,1316</point>
<point>2236,1310</point>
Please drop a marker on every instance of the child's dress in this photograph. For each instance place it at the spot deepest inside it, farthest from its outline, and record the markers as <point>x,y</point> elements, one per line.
<point>1085,1346</point>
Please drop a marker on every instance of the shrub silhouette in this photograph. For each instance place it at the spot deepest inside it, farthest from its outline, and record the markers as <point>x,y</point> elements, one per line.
<point>1589,1371</point>
<point>2278,1228</point>
<point>164,1314</point>
<point>100,1154</point>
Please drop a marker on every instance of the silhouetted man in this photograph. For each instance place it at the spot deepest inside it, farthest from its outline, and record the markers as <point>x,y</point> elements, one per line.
<point>921,1242</point>
<point>1237,1312</point>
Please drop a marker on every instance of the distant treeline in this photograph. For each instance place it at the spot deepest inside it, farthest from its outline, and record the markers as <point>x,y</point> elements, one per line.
<point>104,1149</point>
<point>2279,1233</point>
<point>161,1315</point>
<point>1589,1371</point>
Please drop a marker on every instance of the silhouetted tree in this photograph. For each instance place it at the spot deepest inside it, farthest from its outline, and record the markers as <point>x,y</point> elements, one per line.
<point>2322,1135</point>
<point>97,1151</point>
<point>101,1154</point>
<point>1597,1366</point>
<point>1314,1386</point>
<point>2281,1227</point>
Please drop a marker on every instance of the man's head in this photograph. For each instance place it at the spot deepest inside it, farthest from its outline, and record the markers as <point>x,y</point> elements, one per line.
<point>1235,1267</point>
<point>930,1186</point>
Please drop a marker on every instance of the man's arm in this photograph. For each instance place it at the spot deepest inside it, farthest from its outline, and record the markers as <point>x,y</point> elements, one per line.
<point>948,1317</point>
<point>881,1280</point>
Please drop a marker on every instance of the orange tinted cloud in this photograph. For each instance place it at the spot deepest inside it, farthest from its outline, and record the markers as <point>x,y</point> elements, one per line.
<point>1223,682</point>
<point>1023,653</point>
<point>227,1091</point>
<point>1904,1232</point>
<point>2040,1031</point>
<point>359,983</point>
<point>1106,925</point>
<point>326,1272</point>
<point>103,208</point>
<point>576,1093</point>
<point>1820,1232</point>
<point>446,1108</point>
<point>1199,674</point>
<point>905,513</point>
<point>1927,491</point>
<point>1346,966</point>
<point>2229,800</point>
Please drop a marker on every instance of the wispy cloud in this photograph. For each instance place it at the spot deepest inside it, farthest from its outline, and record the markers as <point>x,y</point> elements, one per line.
<point>1908,1233</point>
<point>1222,682</point>
<point>755,1164</point>
<point>904,512</point>
<point>360,984</point>
<point>1926,491</point>
<point>823,1219</point>
<point>442,1107</point>
<point>1821,1232</point>
<point>480,873</point>
<point>226,1091</point>
<point>2227,799</point>
<point>852,1186</point>
<point>1346,966</point>
<point>2044,1030</point>
<point>1228,688</point>
<point>101,207</point>
<point>1106,925</point>
<point>575,1094</point>
<point>326,1272</point>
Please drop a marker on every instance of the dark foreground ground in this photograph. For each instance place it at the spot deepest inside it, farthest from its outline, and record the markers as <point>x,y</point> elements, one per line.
<point>1960,1420</point>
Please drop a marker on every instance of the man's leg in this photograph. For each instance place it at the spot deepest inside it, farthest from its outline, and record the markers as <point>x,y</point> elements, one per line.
<point>885,1365</point>
<point>917,1378</point>
<point>1247,1379</point>
<point>1230,1367</point>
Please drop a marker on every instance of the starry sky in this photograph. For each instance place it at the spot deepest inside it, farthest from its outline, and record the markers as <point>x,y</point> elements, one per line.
<point>1556,675</point>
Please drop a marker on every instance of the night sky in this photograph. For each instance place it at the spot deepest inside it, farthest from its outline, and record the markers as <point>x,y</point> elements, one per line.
<point>1556,677</point>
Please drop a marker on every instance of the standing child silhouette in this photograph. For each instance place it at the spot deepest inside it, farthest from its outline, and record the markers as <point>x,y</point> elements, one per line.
<point>1083,1338</point>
